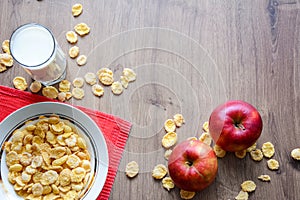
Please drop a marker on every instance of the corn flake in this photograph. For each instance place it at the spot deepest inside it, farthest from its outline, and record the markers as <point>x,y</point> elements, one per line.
<point>252,147</point>
<point>50,92</point>
<point>71,37</point>
<point>264,177</point>
<point>74,51</point>
<point>6,59</point>
<point>205,126</point>
<point>168,183</point>
<point>132,169</point>
<point>106,78</point>
<point>273,164</point>
<point>76,9</point>
<point>104,70</point>
<point>3,68</point>
<point>5,46</point>
<point>129,74</point>
<point>256,155</point>
<point>248,186</point>
<point>187,194</point>
<point>241,154</point>
<point>20,83</point>
<point>206,138</point>
<point>78,93</point>
<point>295,153</point>
<point>220,153</point>
<point>268,149</point>
<point>178,119</point>
<point>97,90</point>
<point>169,125</point>
<point>82,29</point>
<point>167,154</point>
<point>242,195</point>
<point>81,60</point>
<point>90,78</point>
<point>117,88</point>
<point>169,139</point>
<point>159,171</point>
<point>37,190</point>
<point>124,81</point>
<point>64,86</point>
<point>35,86</point>
<point>78,82</point>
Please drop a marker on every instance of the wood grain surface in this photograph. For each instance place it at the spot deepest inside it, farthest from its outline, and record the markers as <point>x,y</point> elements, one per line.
<point>189,57</point>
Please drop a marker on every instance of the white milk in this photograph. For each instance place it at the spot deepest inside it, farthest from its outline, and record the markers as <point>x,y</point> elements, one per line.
<point>34,47</point>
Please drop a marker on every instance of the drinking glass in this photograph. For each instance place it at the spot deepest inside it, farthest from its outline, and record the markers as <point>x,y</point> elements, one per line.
<point>35,48</point>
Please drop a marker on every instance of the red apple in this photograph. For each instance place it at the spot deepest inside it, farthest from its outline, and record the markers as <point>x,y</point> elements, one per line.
<point>192,165</point>
<point>235,125</point>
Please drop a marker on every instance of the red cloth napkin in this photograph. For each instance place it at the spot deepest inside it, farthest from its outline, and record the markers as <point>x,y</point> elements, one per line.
<point>114,129</point>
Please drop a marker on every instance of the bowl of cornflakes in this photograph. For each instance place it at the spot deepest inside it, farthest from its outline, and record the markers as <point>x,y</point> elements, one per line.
<point>51,151</point>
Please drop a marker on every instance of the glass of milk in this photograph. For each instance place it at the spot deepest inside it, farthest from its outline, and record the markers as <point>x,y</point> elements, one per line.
<point>34,47</point>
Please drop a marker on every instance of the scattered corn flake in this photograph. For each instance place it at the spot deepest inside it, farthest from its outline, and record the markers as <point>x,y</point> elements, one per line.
<point>97,90</point>
<point>132,169</point>
<point>206,138</point>
<point>71,37</point>
<point>295,153</point>
<point>256,155</point>
<point>220,153</point>
<point>82,29</point>
<point>241,154</point>
<point>268,149</point>
<point>74,51</point>
<point>248,186</point>
<point>252,147</point>
<point>242,195</point>
<point>178,119</point>
<point>273,164</point>
<point>169,125</point>
<point>62,96</point>
<point>64,86</point>
<point>76,9</point>
<point>106,78</point>
<point>78,93</point>
<point>50,92</point>
<point>159,171</point>
<point>169,139</point>
<point>104,70</point>
<point>168,183</point>
<point>81,60</point>
<point>68,95</point>
<point>35,86</point>
<point>5,46</point>
<point>78,82</point>
<point>20,83</point>
<point>264,177</point>
<point>129,74</point>
<point>116,88</point>
<point>3,68</point>
<point>90,78</point>
<point>187,194</point>
<point>124,81</point>
<point>167,154</point>
<point>205,126</point>
<point>6,59</point>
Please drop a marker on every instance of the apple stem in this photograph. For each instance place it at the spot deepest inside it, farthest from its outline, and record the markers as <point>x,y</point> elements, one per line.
<point>189,163</point>
<point>240,126</point>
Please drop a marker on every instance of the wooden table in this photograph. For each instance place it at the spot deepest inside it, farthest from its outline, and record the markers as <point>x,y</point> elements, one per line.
<point>189,57</point>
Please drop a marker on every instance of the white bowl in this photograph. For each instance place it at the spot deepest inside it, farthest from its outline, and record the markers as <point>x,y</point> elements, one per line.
<point>88,129</point>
